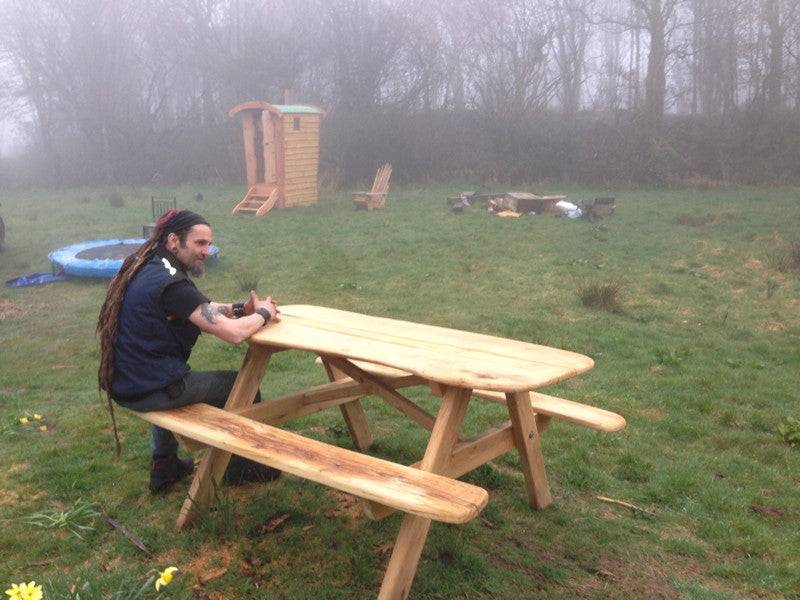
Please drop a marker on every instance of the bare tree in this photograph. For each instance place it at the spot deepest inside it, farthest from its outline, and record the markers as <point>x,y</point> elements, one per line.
<point>509,67</point>
<point>572,34</point>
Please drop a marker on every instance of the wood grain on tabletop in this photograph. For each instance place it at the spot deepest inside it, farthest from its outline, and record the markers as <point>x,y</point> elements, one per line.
<point>448,356</point>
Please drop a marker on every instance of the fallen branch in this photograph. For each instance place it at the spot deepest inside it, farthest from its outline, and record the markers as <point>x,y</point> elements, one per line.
<point>135,539</point>
<point>633,507</point>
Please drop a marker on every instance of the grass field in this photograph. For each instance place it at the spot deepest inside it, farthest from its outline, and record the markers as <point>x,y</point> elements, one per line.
<point>693,320</point>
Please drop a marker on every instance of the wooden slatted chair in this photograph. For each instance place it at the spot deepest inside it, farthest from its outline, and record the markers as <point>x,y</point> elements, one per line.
<point>160,206</point>
<point>376,198</point>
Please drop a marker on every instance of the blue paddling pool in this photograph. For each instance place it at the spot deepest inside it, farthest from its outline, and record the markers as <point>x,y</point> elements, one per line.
<point>99,258</point>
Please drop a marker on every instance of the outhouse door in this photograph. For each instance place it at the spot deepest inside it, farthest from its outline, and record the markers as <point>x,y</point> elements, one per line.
<point>270,141</point>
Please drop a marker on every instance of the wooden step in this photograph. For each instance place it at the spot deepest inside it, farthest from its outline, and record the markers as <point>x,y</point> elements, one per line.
<point>558,408</point>
<point>403,488</point>
<point>260,199</point>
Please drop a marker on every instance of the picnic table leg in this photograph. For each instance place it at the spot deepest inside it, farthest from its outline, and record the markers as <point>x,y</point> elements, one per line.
<point>353,413</point>
<point>527,440</point>
<point>215,461</point>
<point>414,530</point>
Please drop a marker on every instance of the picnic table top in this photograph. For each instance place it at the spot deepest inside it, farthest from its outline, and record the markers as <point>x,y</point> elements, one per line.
<point>439,354</point>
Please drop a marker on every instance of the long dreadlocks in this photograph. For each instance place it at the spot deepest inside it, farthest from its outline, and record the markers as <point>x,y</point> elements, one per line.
<point>175,221</point>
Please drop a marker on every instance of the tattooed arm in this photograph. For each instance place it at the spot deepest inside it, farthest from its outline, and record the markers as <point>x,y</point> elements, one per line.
<point>215,308</point>
<point>216,318</point>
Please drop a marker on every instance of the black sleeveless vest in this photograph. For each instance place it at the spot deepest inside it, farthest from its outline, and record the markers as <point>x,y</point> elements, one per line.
<point>151,351</point>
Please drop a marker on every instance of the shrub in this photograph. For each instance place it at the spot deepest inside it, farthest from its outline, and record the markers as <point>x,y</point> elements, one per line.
<point>789,429</point>
<point>785,259</point>
<point>602,296</point>
<point>246,280</point>
<point>116,200</point>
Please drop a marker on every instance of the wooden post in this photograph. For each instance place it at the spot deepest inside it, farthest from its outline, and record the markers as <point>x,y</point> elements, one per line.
<point>353,413</point>
<point>527,439</point>
<point>215,461</point>
<point>268,129</point>
<point>280,161</point>
<point>414,530</point>
<point>249,132</point>
<point>413,411</point>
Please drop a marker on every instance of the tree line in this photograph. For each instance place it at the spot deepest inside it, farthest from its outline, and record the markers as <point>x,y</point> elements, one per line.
<point>137,91</point>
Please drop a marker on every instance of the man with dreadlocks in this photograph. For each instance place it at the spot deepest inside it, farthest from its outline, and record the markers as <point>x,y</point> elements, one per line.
<point>151,319</point>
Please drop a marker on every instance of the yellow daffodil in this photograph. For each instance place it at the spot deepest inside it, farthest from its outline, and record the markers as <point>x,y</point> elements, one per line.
<point>23,420</point>
<point>165,577</point>
<point>37,416</point>
<point>42,427</point>
<point>25,591</point>
<point>14,592</point>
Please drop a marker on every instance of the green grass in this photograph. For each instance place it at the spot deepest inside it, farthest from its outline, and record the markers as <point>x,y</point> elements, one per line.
<point>700,354</point>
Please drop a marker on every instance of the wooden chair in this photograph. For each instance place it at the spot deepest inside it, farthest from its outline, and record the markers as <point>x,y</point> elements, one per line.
<point>376,198</point>
<point>160,206</point>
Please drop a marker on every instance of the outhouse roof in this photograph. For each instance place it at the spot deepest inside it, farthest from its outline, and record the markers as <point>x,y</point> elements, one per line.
<point>298,109</point>
<point>280,109</point>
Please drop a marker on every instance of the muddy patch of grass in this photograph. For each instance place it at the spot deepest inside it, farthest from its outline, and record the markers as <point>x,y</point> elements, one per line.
<point>694,220</point>
<point>10,310</point>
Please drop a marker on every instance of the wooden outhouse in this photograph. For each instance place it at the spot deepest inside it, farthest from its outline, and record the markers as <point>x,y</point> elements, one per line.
<point>281,150</point>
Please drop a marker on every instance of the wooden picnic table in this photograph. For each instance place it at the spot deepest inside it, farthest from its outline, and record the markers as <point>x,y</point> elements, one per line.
<point>372,355</point>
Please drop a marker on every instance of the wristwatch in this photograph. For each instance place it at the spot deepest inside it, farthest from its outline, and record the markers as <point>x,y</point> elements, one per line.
<point>264,314</point>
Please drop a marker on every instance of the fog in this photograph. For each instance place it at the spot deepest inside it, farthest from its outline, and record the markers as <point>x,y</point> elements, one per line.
<point>652,91</point>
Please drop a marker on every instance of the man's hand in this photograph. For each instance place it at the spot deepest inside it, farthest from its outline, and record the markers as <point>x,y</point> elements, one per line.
<point>268,304</point>
<point>250,304</point>
<point>253,303</point>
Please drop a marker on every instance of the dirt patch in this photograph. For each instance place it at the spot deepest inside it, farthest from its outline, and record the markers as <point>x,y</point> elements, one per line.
<point>537,580</point>
<point>10,492</point>
<point>8,498</point>
<point>9,310</point>
<point>772,326</point>
<point>206,559</point>
<point>711,271</point>
<point>636,580</point>
<point>646,579</point>
<point>656,414</point>
<point>754,265</point>
<point>346,505</point>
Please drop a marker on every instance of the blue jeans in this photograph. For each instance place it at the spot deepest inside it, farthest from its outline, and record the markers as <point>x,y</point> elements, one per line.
<point>208,387</point>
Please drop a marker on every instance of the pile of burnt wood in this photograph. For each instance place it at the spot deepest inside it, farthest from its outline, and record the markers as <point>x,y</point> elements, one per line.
<point>522,203</point>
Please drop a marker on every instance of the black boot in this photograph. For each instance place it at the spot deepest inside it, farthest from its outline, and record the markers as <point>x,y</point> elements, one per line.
<point>166,471</point>
<point>241,470</point>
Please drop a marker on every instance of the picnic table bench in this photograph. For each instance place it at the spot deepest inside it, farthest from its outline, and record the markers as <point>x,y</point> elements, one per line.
<point>371,355</point>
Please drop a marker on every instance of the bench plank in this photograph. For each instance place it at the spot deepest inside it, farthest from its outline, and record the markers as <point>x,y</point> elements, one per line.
<point>404,488</point>
<point>566,410</point>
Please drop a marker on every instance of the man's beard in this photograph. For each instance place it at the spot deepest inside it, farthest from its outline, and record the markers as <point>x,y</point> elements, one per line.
<point>197,269</point>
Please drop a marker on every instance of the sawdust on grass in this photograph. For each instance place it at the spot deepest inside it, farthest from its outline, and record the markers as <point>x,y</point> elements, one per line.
<point>10,310</point>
